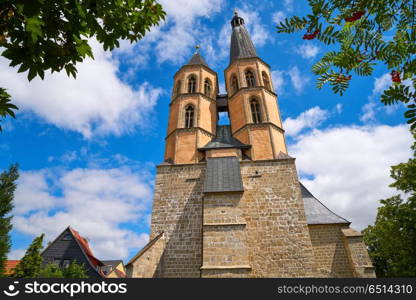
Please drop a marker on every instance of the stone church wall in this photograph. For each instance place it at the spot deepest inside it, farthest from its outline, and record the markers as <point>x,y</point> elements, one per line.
<point>177,211</point>
<point>329,249</point>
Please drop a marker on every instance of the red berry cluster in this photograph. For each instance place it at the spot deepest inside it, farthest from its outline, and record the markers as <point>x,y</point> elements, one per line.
<point>311,36</point>
<point>395,76</point>
<point>355,16</point>
<point>343,78</point>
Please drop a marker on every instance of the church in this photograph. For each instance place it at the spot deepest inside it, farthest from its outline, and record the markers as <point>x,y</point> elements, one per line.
<point>228,201</point>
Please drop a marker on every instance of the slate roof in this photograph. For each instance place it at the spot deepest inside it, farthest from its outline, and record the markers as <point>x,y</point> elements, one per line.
<point>224,139</point>
<point>223,175</point>
<point>86,247</point>
<point>197,59</point>
<point>241,44</point>
<point>316,212</point>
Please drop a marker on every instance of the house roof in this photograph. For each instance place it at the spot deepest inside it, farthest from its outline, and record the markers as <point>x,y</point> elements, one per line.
<point>112,263</point>
<point>223,175</point>
<point>120,273</point>
<point>10,265</point>
<point>224,139</point>
<point>318,213</point>
<point>86,248</point>
<point>241,44</point>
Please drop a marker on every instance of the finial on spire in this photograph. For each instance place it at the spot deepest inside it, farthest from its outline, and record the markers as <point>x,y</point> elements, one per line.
<point>237,20</point>
<point>197,47</point>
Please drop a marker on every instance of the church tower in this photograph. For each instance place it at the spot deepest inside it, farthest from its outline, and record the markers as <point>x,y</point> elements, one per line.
<point>228,201</point>
<point>252,102</point>
<point>192,119</point>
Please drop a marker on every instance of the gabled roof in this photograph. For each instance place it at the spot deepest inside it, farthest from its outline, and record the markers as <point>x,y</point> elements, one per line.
<point>86,248</point>
<point>223,175</point>
<point>224,139</point>
<point>197,59</point>
<point>316,212</point>
<point>10,265</point>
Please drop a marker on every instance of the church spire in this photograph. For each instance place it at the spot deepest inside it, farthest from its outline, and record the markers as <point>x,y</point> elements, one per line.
<point>241,44</point>
<point>197,59</point>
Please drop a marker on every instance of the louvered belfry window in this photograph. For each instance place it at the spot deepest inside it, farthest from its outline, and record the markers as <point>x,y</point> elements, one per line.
<point>250,79</point>
<point>266,81</point>
<point>255,111</point>
<point>189,117</point>
<point>234,84</point>
<point>207,87</point>
<point>178,87</point>
<point>192,85</point>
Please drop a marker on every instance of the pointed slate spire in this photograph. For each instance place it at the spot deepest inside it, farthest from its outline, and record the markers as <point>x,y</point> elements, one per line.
<point>241,44</point>
<point>197,59</point>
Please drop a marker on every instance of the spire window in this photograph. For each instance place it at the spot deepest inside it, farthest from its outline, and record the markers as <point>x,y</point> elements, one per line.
<point>255,111</point>
<point>192,85</point>
<point>207,87</point>
<point>250,79</point>
<point>189,116</point>
<point>266,81</point>
<point>234,84</point>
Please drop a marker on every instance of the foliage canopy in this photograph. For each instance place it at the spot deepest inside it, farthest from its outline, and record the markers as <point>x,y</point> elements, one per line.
<point>366,32</point>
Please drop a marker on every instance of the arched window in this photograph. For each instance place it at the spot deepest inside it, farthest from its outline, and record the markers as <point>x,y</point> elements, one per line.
<point>255,111</point>
<point>207,87</point>
<point>189,116</point>
<point>234,84</point>
<point>178,87</point>
<point>266,81</point>
<point>192,84</point>
<point>250,79</point>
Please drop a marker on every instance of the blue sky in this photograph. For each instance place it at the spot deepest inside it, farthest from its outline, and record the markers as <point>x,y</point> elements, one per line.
<point>88,148</point>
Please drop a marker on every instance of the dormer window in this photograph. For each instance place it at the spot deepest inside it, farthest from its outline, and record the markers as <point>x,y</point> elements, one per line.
<point>250,79</point>
<point>67,237</point>
<point>189,116</point>
<point>192,84</point>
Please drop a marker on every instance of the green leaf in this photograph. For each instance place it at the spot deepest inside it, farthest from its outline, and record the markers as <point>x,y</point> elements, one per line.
<point>34,28</point>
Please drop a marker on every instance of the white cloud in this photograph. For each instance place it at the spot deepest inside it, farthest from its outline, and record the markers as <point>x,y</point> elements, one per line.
<point>308,51</point>
<point>382,83</point>
<point>288,4</point>
<point>311,118</point>
<point>350,167</point>
<point>16,254</point>
<point>370,109</point>
<point>278,17</point>
<point>278,81</point>
<point>299,81</point>
<point>258,32</point>
<point>96,103</point>
<point>172,41</point>
<point>96,202</point>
